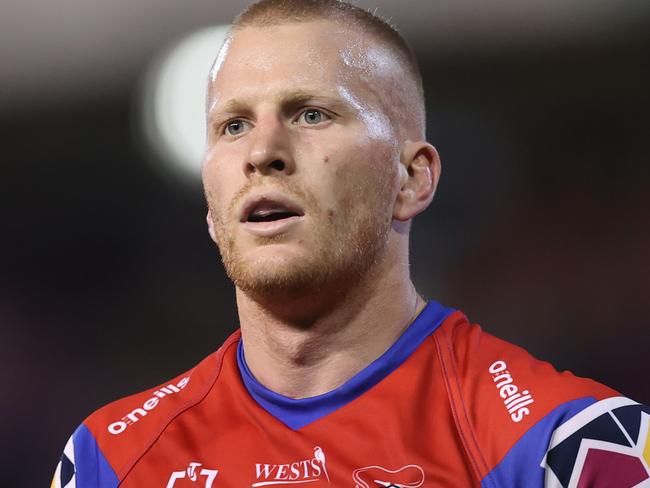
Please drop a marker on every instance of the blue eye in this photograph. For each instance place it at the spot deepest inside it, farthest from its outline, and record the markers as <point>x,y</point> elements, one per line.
<point>235,127</point>
<point>313,116</point>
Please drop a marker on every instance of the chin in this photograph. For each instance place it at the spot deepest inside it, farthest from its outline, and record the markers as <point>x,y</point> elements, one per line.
<point>271,278</point>
<point>296,267</point>
<point>275,269</point>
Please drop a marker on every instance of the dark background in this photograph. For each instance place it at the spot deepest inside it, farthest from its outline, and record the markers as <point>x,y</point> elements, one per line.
<point>539,231</point>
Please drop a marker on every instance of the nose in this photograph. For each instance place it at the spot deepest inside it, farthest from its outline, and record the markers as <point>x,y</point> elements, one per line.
<point>270,150</point>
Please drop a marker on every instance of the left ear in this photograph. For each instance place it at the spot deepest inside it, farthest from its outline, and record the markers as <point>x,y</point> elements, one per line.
<point>419,174</point>
<point>211,230</point>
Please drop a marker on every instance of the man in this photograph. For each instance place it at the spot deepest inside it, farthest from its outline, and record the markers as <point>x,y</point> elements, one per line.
<point>341,374</point>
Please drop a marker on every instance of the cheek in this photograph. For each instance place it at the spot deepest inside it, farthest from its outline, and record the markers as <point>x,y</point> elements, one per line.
<point>221,179</point>
<point>217,198</point>
<point>367,173</point>
<point>348,190</point>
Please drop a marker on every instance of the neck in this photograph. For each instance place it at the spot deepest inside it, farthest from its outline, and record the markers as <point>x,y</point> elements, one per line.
<point>319,347</point>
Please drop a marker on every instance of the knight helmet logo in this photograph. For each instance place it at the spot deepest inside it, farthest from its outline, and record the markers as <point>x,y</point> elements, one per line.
<point>411,476</point>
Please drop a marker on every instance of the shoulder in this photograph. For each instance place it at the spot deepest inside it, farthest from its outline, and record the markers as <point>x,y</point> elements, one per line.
<point>500,374</point>
<point>112,439</point>
<point>522,421</point>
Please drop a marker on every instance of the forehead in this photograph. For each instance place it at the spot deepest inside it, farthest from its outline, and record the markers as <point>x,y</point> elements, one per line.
<point>316,54</point>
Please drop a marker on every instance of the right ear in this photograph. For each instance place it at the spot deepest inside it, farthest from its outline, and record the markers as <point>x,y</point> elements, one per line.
<point>419,175</point>
<point>211,231</point>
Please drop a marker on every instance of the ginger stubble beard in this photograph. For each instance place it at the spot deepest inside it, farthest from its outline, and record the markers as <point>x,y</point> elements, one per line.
<point>348,242</point>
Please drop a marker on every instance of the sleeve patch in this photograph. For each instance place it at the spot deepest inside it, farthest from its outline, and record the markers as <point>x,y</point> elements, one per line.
<point>607,444</point>
<point>521,466</point>
<point>64,476</point>
<point>90,467</point>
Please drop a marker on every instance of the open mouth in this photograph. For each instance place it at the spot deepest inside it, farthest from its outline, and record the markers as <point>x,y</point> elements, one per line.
<point>270,215</point>
<point>271,211</point>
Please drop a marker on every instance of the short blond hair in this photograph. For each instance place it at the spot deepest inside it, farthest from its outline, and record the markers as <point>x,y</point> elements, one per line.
<point>277,12</point>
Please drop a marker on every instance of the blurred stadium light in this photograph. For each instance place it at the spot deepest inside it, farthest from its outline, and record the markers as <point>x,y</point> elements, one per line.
<point>173,100</point>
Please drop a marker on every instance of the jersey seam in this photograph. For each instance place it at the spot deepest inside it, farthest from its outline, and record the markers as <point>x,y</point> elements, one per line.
<point>464,409</point>
<point>200,397</point>
<point>454,411</point>
<point>461,416</point>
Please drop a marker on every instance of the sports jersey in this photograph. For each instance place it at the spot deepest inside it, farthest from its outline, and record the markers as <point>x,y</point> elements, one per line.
<point>447,405</point>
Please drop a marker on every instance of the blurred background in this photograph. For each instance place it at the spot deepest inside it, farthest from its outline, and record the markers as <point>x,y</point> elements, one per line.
<point>109,281</point>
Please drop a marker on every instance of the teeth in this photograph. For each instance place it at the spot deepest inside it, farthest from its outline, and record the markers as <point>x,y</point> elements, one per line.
<point>266,212</point>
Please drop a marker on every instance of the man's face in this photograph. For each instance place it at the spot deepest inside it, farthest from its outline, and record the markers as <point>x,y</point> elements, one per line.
<point>300,170</point>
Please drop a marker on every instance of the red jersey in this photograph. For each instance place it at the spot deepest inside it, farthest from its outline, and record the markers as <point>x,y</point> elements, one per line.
<point>448,405</point>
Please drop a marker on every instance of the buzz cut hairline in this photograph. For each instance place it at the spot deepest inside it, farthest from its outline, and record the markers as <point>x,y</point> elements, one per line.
<point>267,13</point>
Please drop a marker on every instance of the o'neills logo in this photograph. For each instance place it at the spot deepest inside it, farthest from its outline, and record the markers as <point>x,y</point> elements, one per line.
<point>137,413</point>
<point>304,471</point>
<point>515,401</point>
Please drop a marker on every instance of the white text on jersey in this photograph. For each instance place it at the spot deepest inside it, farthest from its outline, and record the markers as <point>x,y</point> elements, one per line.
<point>515,401</point>
<point>305,471</point>
<point>132,417</point>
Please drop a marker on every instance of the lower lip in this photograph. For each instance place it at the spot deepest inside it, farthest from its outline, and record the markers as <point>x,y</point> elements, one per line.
<point>271,229</point>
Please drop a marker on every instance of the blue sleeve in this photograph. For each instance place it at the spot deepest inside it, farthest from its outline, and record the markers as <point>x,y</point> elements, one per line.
<point>83,465</point>
<point>581,443</point>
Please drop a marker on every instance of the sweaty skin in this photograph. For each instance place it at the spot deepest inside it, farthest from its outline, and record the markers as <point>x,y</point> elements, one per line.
<point>297,118</point>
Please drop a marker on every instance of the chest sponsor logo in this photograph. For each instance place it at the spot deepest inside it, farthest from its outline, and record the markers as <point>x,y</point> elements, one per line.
<point>515,400</point>
<point>194,475</point>
<point>303,471</point>
<point>136,414</point>
<point>410,476</point>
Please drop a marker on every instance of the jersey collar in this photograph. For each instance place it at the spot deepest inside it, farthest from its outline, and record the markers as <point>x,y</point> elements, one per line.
<point>299,413</point>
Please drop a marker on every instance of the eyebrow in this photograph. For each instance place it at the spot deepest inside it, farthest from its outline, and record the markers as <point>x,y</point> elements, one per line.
<point>288,100</point>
